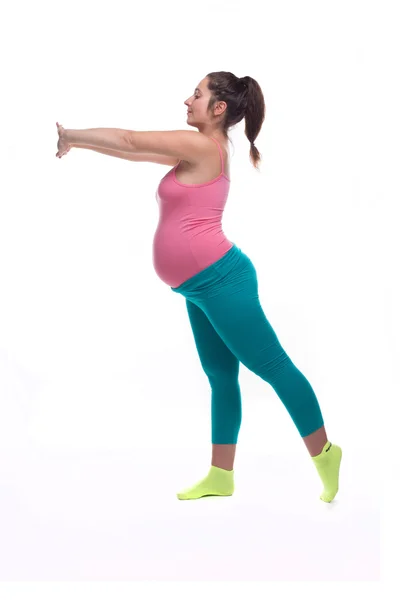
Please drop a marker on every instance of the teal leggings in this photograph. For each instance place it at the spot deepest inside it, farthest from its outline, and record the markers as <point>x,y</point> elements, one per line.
<point>229,326</point>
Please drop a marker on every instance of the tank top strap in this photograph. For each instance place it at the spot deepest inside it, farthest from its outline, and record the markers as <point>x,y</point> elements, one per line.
<point>220,153</point>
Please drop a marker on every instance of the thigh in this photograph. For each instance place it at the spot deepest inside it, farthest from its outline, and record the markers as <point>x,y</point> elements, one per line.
<point>214,354</point>
<point>236,314</point>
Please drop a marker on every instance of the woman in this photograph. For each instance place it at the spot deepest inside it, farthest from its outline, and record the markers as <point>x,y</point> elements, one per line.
<point>219,282</point>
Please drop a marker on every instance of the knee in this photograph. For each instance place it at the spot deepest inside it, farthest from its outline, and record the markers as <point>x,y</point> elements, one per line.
<point>224,373</point>
<point>272,366</point>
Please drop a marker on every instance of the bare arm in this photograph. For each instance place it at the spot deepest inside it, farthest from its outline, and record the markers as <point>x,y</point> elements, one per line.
<point>161,159</point>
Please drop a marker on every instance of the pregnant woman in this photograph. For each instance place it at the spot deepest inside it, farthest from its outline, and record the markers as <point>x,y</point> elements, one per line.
<point>192,255</point>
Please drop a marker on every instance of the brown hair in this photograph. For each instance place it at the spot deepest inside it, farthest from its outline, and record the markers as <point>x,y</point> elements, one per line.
<point>244,98</point>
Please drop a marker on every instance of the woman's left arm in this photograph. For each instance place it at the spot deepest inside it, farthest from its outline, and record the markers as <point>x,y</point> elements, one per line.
<point>102,137</point>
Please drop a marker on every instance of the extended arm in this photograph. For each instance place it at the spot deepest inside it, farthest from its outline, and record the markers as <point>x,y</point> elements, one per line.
<point>100,137</point>
<point>187,145</point>
<point>132,156</point>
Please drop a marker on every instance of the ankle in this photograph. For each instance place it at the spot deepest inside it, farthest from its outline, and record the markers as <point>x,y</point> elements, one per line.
<point>223,456</point>
<point>222,465</point>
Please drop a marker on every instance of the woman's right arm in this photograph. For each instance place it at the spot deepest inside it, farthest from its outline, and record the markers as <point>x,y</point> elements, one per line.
<point>161,159</point>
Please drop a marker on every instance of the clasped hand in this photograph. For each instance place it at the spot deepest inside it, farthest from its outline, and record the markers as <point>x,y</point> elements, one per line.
<point>63,146</point>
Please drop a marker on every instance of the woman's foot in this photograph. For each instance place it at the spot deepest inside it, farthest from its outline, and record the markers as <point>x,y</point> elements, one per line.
<point>218,482</point>
<point>328,466</point>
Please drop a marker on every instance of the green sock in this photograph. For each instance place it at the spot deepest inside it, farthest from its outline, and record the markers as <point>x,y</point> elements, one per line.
<point>218,482</point>
<point>328,465</point>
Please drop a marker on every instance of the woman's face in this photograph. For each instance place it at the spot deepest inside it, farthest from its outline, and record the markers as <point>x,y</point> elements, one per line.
<point>197,104</point>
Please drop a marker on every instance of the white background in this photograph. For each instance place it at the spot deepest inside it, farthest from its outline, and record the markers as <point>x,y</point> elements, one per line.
<point>104,407</point>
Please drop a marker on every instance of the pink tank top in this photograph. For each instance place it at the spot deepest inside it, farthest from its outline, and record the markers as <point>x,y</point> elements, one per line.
<point>189,235</point>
